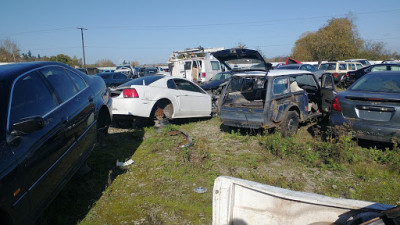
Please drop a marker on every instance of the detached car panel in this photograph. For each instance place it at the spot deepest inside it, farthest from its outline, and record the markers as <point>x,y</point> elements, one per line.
<point>53,115</point>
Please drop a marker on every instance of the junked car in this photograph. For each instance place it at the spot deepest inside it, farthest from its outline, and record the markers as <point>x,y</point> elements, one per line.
<point>113,79</point>
<point>215,84</point>
<point>352,76</point>
<point>159,97</point>
<point>370,107</point>
<point>50,118</point>
<point>257,97</point>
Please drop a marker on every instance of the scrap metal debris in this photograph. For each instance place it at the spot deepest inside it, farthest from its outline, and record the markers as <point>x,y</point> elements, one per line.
<point>187,143</point>
<point>200,190</point>
<point>123,164</point>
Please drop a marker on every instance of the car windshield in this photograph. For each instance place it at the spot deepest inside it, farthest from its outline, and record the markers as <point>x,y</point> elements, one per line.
<point>365,62</point>
<point>122,67</point>
<point>221,76</point>
<point>141,81</point>
<point>150,71</point>
<point>246,64</point>
<point>376,82</point>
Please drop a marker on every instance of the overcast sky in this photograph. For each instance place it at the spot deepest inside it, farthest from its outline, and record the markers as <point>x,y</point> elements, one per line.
<point>148,31</point>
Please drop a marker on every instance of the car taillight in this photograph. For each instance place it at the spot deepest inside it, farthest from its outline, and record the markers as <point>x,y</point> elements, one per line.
<point>347,74</point>
<point>130,93</point>
<point>336,105</point>
<point>203,74</point>
<point>335,75</point>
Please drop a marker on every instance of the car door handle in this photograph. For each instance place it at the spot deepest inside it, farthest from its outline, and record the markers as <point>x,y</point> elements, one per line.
<point>91,98</point>
<point>65,120</point>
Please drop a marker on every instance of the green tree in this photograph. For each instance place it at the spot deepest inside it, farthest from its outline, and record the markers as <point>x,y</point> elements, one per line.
<point>337,40</point>
<point>62,58</point>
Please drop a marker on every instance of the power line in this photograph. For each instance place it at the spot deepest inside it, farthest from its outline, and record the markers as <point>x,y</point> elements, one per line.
<point>198,26</point>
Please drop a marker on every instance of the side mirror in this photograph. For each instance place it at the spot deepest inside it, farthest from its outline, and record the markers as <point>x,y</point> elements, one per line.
<point>24,126</point>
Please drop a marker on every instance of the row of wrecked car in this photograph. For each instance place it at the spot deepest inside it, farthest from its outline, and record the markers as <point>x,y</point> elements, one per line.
<point>252,95</point>
<point>53,114</point>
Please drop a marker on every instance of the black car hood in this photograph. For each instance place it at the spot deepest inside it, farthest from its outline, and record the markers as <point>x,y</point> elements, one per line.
<point>214,84</point>
<point>238,53</point>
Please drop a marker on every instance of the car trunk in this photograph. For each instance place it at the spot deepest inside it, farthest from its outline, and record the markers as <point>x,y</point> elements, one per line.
<point>244,108</point>
<point>375,108</point>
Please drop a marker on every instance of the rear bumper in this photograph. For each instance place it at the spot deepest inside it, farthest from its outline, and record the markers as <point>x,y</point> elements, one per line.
<point>365,129</point>
<point>131,107</point>
<point>242,117</point>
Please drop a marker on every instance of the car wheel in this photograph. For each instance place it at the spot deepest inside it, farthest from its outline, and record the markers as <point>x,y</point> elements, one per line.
<point>163,110</point>
<point>290,124</point>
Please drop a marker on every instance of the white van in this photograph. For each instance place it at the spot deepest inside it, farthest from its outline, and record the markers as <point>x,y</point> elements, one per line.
<point>194,64</point>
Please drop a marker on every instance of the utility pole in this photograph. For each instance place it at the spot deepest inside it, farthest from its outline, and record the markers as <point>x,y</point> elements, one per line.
<point>83,46</point>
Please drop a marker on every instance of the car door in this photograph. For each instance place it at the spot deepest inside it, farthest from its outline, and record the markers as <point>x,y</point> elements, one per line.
<point>61,153</point>
<point>327,92</point>
<point>36,151</point>
<point>280,98</point>
<point>192,99</point>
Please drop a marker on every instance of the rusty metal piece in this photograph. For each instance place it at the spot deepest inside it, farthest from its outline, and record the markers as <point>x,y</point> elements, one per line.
<point>159,114</point>
<point>188,140</point>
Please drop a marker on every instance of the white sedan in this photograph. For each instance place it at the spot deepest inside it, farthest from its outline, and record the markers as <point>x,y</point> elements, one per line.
<point>159,96</point>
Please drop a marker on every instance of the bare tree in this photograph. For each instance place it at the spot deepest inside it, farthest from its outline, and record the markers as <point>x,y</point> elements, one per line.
<point>9,51</point>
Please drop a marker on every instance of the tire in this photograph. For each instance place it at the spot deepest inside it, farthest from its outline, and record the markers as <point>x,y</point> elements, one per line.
<point>290,124</point>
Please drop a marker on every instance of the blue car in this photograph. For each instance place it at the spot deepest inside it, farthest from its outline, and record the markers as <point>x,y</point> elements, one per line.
<point>114,79</point>
<point>370,107</point>
<point>214,84</point>
<point>50,119</point>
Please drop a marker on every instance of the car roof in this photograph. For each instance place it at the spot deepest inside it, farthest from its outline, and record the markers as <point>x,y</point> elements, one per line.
<point>11,71</point>
<point>273,73</point>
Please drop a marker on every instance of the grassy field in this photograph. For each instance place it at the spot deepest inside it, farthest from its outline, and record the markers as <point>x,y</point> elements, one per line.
<point>158,188</point>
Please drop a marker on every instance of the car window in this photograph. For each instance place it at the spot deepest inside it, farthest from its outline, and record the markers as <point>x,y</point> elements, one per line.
<point>310,68</point>
<point>342,66</point>
<point>30,97</point>
<point>305,80</point>
<point>379,68</point>
<point>142,81</point>
<point>395,68</point>
<point>215,65</point>
<point>352,66</point>
<point>280,86</point>
<point>61,82</point>
<point>359,66</point>
<point>79,82</point>
<point>378,83</point>
<point>186,86</point>
<point>119,76</point>
<point>171,84</point>
<point>327,82</point>
<point>188,65</point>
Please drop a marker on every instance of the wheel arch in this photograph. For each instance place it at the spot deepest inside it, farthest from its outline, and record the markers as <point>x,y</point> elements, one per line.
<point>162,102</point>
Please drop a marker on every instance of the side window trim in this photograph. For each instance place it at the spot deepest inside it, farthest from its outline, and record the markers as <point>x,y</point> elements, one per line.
<point>50,89</point>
